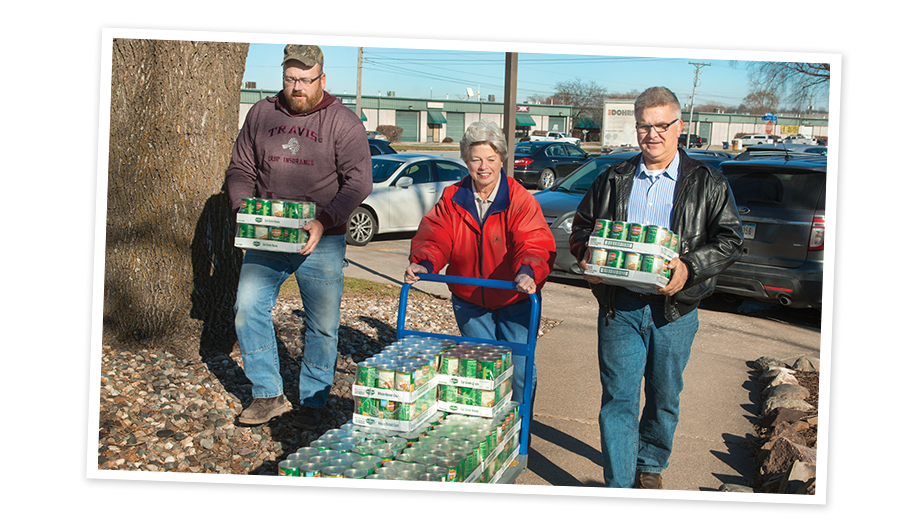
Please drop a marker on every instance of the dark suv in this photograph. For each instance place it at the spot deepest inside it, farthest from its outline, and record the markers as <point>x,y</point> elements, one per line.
<point>781,202</point>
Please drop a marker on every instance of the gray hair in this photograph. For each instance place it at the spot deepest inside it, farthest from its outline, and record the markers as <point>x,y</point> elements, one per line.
<point>483,133</point>
<point>657,97</point>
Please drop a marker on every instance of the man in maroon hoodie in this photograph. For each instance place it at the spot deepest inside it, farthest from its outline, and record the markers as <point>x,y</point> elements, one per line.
<point>301,144</point>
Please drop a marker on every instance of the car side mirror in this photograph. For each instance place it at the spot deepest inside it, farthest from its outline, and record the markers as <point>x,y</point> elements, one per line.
<point>404,182</point>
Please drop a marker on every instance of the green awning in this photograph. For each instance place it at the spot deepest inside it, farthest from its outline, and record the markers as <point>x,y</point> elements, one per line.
<point>436,117</point>
<point>363,115</point>
<point>524,120</point>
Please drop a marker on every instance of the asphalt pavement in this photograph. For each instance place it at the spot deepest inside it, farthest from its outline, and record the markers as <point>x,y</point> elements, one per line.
<point>718,405</point>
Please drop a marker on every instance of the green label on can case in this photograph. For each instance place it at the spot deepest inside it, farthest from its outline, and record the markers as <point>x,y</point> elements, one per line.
<point>617,231</point>
<point>262,207</point>
<point>601,228</point>
<point>635,232</point>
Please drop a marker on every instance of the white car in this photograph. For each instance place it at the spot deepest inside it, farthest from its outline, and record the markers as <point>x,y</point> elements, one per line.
<point>752,140</point>
<point>405,188</point>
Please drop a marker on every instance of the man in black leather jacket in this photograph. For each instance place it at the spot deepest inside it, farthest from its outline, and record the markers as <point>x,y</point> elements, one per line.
<point>646,334</point>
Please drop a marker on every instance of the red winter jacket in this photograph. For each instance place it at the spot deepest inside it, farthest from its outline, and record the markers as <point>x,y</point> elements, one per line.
<point>514,239</point>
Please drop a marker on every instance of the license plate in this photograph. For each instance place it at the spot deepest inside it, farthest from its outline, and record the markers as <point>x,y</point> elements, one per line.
<point>749,230</point>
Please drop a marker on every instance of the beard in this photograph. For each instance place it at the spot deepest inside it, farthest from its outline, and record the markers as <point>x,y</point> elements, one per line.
<point>300,106</point>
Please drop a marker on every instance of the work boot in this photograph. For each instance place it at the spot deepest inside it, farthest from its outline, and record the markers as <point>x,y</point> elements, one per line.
<point>307,417</point>
<point>262,410</point>
<point>648,481</point>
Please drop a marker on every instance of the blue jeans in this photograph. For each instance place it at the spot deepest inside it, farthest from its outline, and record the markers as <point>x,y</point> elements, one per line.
<point>506,324</point>
<point>639,343</point>
<point>320,278</point>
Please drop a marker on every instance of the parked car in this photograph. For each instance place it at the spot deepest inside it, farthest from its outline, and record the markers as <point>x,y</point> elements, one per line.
<point>405,187</point>
<point>557,136</point>
<point>542,162</point>
<point>781,202</point>
<point>751,140</point>
<point>380,147</point>
<point>560,202</point>
<point>696,140</point>
<point>800,139</point>
<point>790,150</point>
<point>376,135</point>
<point>724,155</point>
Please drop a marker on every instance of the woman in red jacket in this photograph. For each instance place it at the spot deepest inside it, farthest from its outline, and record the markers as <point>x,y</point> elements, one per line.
<point>489,227</point>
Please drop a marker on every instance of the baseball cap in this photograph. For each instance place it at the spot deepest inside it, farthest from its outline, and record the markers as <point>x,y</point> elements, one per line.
<point>308,54</point>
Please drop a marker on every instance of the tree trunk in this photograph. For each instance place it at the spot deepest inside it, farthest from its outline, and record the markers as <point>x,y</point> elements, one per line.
<point>171,265</point>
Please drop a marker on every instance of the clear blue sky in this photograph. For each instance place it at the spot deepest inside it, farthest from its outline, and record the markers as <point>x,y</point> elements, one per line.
<point>424,73</point>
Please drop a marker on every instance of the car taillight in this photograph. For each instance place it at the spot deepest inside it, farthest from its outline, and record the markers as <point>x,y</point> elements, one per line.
<point>523,161</point>
<point>817,234</point>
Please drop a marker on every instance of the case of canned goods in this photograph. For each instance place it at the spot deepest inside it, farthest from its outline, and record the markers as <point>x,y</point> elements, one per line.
<point>634,255</point>
<point>273,224</point>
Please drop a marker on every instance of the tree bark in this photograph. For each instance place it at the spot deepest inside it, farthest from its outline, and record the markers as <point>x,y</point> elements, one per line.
<point>171,266</point>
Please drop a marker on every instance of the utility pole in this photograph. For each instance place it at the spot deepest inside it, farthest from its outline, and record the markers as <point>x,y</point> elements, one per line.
<point>359,84</point>
<point>697,67</point>
<point>511,76</point>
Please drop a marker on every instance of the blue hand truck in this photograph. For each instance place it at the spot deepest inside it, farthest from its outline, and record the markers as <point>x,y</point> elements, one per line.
<point>526,350</point>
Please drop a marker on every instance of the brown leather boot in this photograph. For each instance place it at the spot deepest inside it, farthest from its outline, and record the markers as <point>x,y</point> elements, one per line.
<point>262,410</point>
<point>648,481</point>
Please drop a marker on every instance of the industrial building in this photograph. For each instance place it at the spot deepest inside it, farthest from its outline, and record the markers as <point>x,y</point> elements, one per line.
<point>435,120</point>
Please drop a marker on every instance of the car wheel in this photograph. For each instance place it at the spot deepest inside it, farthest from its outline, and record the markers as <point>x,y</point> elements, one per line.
<point>547,178</point>
<point>361,227</point>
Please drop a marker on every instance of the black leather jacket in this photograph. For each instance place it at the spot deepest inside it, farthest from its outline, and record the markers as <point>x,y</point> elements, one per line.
<point>704,215</point>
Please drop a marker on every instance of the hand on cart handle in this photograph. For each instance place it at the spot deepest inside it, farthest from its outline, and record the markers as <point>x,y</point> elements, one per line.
<point>524,283</point>
<point>410,276</point>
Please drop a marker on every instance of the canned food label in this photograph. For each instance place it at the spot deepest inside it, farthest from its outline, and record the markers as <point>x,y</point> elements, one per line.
<point>615,258</point>
<point>598,257</point>
<point>601,228</point>
<point>617,231</point>
<point>277,208</point>
<point>632,261</point>
<point>635,232</point>
<point>262,207</point>
<point>654,234</point>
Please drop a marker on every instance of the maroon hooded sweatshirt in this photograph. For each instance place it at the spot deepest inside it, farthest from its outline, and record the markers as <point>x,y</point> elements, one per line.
<point>321,156</point>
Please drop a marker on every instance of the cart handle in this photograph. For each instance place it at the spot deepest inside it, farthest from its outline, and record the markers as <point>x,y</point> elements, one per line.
<point>472,281</point>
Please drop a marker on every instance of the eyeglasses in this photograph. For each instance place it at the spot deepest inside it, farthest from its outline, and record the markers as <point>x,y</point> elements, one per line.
<point>659,128</point>
<point>289,81</point>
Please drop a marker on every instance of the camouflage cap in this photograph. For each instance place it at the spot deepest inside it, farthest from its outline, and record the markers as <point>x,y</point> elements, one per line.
<point>308,54</point>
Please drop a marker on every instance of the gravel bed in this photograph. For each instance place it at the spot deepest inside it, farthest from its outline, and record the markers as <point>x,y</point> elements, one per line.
<point>162,412</point>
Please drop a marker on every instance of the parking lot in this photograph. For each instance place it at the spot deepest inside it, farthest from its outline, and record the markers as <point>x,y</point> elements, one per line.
<point>719,402</point>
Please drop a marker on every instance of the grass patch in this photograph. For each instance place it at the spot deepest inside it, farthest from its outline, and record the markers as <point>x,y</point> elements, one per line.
<point>358,288</point>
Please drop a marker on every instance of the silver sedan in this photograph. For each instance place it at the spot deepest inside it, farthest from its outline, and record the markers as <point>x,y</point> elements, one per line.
<point>405,188</point>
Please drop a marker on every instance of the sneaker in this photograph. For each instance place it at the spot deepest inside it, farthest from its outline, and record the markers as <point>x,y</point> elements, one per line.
<point>307,417</point>
<point>262,410</point>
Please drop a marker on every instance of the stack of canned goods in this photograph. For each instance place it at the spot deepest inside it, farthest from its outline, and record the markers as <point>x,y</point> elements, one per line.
<point>632,232</point>
<point>476,361</point>
<point>463,395</point>
<point>449,449</point>
<point>279,209</point>
<point>404,366</point>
